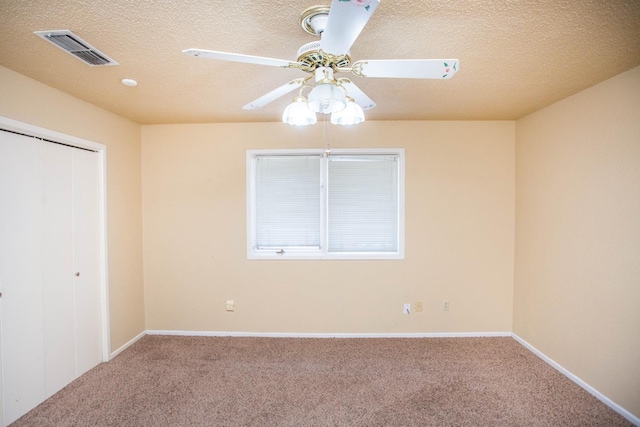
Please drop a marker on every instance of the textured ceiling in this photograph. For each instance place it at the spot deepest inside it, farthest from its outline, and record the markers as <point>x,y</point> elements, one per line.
<point>516,56</point>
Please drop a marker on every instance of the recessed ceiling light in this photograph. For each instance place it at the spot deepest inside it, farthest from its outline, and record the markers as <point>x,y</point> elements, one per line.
<point>129,82</point>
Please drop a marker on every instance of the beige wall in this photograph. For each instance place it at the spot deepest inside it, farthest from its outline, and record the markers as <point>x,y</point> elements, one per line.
<point>459,234</point>
<point>577,270</point>
<point>29,101</point>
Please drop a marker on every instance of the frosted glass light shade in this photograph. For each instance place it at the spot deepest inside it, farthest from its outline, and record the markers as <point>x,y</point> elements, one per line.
<point>327,98</point>
<point>352,114</point>
<point>298,114</point>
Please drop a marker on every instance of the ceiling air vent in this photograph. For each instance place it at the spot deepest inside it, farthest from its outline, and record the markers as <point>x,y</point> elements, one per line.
<point>77,47</point>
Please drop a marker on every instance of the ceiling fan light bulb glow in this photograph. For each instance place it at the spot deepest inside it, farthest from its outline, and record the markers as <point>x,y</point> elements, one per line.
<point>298,114</point>
<point>327,98</point>
<point>352,114</point>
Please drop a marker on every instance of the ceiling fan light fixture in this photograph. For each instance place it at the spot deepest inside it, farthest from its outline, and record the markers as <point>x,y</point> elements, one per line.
<point>327,98</point>
<point>298,114</point>
<point>352,114</point>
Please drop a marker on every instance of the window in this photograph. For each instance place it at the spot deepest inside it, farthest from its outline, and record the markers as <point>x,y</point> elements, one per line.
<point>307,204</point>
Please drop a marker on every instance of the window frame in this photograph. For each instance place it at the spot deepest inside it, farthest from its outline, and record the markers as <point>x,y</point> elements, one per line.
<point>322,252</point>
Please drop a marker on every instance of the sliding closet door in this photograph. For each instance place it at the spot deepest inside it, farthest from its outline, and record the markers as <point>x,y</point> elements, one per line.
<point>57,265</point>
<point>86,260</point>
<point>23,376</point>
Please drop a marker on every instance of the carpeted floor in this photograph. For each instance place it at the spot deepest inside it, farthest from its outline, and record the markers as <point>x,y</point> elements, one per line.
<point>207,381</point>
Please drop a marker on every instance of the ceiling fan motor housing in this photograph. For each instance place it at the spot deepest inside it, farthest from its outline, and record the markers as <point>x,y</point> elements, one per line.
<point>311,57</point>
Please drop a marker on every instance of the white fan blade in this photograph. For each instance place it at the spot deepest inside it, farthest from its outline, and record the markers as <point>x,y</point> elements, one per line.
<point>407,68</point>
<point>346,21</point>
<point>237,57</point>
<point>274,94</point>
<point>357,94</point>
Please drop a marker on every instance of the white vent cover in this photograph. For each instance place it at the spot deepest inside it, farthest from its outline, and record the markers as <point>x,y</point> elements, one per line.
<point>77,47</point>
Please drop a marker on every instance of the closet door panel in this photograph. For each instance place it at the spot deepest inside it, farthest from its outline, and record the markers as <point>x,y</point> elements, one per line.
<point>57,267</point>
<point>86,260</point>
<point>21,275</point>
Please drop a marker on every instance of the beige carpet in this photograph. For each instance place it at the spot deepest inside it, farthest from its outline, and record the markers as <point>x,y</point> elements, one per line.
<point>205,381</point>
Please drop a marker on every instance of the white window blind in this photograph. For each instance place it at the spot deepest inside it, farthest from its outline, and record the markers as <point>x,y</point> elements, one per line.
<point>288,200</point>
<point>363,203</point>
<point>307,204</point>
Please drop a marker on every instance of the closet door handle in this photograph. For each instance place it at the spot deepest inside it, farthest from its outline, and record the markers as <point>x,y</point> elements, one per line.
<point>78,274</point>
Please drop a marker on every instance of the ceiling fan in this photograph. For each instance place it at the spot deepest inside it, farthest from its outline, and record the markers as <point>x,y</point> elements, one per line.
<point>338,27</point>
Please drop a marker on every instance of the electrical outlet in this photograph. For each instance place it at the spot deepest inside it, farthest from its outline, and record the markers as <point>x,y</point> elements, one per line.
<point>418,306</point>
<point>231,306</point>
<point>406,309</point>
<point>445,305</point>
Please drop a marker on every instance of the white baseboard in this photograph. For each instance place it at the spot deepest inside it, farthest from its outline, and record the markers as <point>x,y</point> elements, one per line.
<point>127,344</point>
<point>330,335</point>
<point>604,399</point>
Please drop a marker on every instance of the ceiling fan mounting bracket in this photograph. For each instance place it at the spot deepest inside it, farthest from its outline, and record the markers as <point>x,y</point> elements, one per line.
<point>314,19</point>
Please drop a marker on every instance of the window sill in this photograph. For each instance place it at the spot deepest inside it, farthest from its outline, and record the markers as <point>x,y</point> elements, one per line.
<point>268,255</point>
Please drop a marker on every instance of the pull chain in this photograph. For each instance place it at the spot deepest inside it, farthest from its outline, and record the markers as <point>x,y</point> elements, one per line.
<point>325,136</point>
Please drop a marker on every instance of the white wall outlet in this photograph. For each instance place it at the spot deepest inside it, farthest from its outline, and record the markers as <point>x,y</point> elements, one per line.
<point>445,305</point>
<point>231,306</point>
<point>407,308</point>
